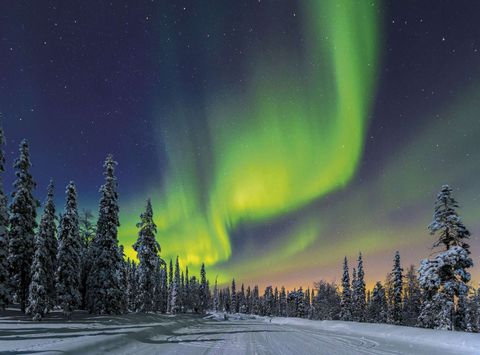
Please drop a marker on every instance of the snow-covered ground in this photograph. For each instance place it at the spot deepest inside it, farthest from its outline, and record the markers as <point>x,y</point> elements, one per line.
<point>188,334</point>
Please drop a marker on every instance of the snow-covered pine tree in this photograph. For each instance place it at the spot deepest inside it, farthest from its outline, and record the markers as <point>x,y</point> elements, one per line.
<point>276,301</point>
<point>447,224</point>
<point>42,287</point>
<point>397,277</point>
<point>248,300</point>
<point>22,222</point>
<point>68,260</point>
<point>148,250</point>
<point>170,287</point>
<point>203,290</point>
<point>378,307</point>
<point>255,301</point>
<point>5,287</point>
<point>268,301</point>
<point>188,297</point>
<point>283,302</point>
<point>354,295</point>
<point>38,299</point>
<point>346,300</point>
<point>445,277</point>
<point>412,299</point>
<point>327,301</point>
<point>359,292</point>
<point>48,230</point>
<point>216,302</point>
<point>233,302</point>
<point>175,298</point>
<point>182,291</point>
<point>105,294</point>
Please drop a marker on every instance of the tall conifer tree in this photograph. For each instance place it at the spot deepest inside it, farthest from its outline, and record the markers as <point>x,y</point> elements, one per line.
<point>104,284</point>
<point>22,221</point>
<point>69,249</point>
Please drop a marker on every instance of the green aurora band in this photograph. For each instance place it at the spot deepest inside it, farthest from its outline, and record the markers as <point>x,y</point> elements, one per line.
<point>292,133</point>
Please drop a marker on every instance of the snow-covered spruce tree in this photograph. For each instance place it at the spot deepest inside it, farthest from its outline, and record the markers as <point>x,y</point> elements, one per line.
<point>268,301</point>
<point>48,229</point>
<point>174,296</point>
<point>255,301</point>
<point>170,287</point>
<point>447,224</point>
<point>359,293</point>
<point>412,298</point>
<point>38,299</point>
<point>104,287</point>
<point>397,277</point>
<point>148,251</point>
<point>378,308</point>
<point>69,249</point>
<point>187,305</point>
<point>354,294</point>
<point>283,302</point>
<point>445,278</point>
<point>233,302</point>
<point>182,291</point>
<point>346,300</point>
<point>216,302</point>
<point>276,302</point>
<point>42,293</point>
<point>327,301</point>
<point>87,233</point>
<point>5,289</point>
<point>22,222</point>
<point>203,290</point>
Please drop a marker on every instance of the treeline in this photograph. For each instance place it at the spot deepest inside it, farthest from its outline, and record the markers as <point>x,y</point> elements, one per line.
<point>69,262</point>
<point>438,295</point>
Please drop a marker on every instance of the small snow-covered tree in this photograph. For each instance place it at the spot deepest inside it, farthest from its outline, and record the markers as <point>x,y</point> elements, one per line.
<point>233,302</point>
<point>215,297</point>
<point>397,277</point>
<point>203,290</point>
<point>283,302</point>
<point>148,250</point>
<point>5,289</point>
<point>38,300</point>
<point>378,308</point>
<point>170,287</point>
<point>346,300</point>
<point>22,222</point>
<point>174,299</point>
<point>327,301</point>
<point>69,249</point>
<point>268,301</point>
<point>358,284</point>
<point>105,294</point>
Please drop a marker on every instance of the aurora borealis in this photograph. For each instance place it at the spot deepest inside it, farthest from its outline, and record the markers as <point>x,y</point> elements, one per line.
<point>272,137</point>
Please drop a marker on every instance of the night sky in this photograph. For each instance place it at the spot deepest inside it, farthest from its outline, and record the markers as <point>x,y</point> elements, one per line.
<point>274,137</point>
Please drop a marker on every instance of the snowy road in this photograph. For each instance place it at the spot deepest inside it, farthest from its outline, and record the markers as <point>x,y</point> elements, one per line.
<point>153,334</point>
